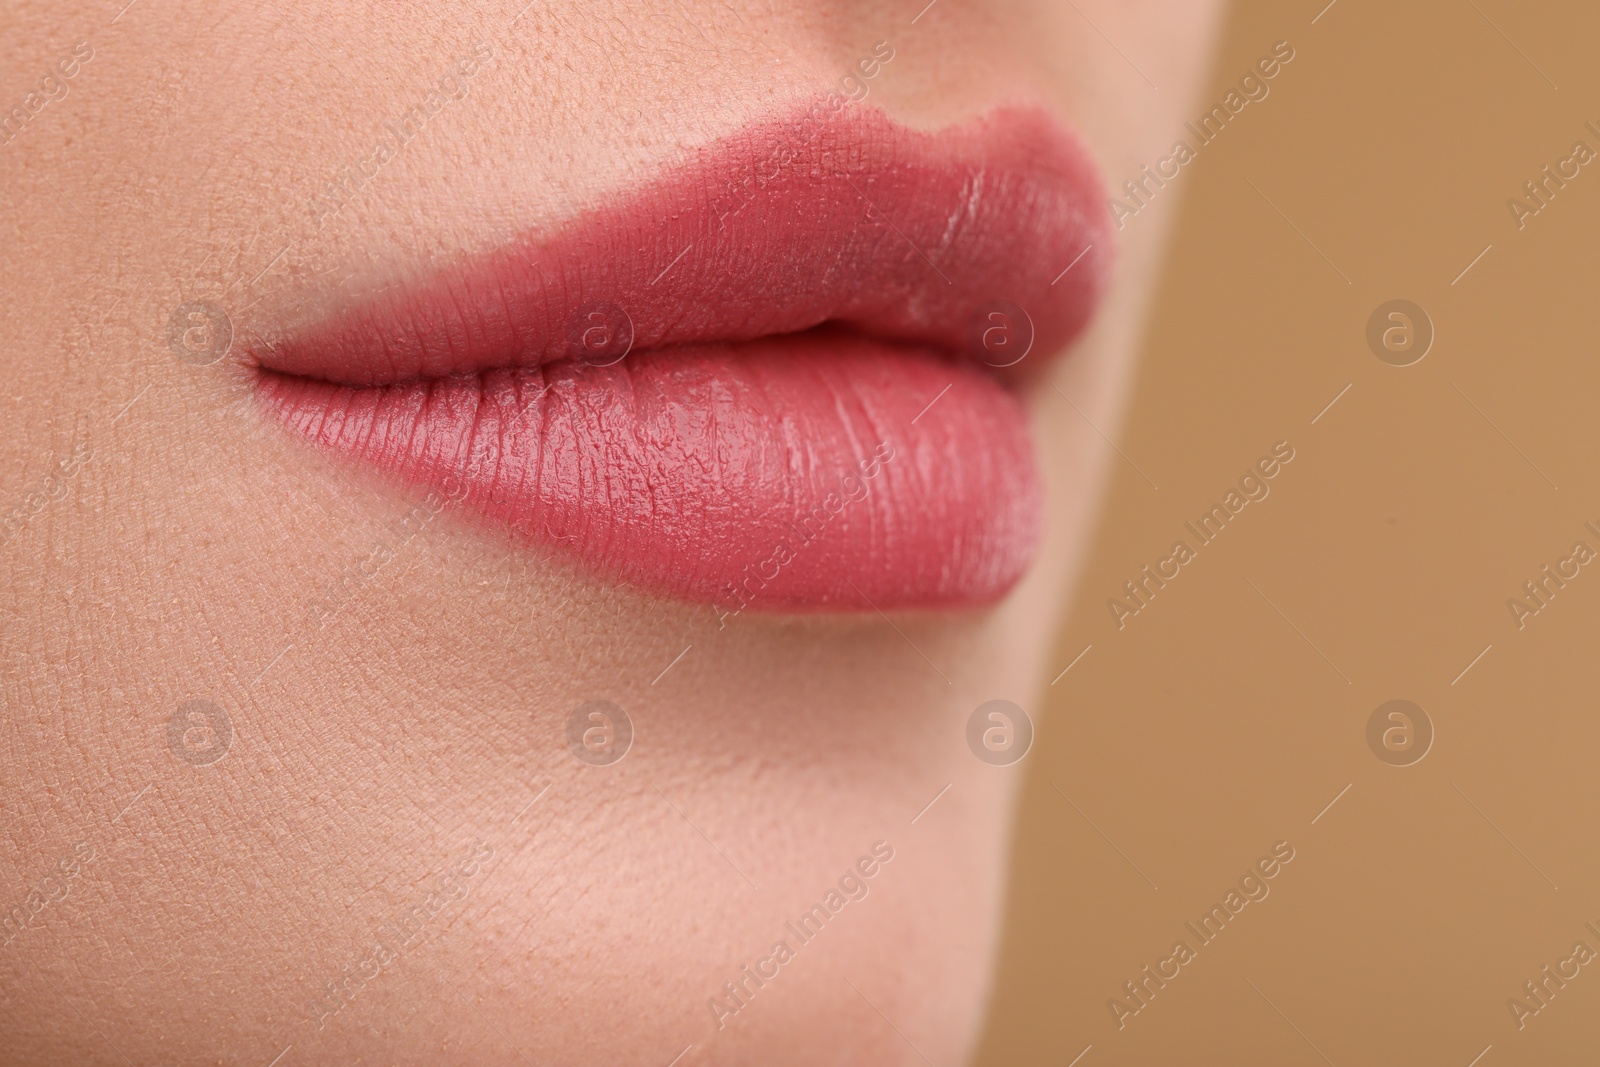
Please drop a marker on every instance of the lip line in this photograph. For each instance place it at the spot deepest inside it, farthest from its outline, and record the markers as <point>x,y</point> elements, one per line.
<point>826,329</point>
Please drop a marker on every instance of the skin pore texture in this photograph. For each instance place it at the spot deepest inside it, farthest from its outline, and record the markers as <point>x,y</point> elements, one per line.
<point>397,857</point>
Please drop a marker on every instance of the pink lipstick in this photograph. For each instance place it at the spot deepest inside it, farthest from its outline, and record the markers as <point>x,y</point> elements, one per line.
<point>782,375</point>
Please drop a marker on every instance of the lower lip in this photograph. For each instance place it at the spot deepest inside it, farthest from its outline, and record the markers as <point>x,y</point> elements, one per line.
<point>817,471</point>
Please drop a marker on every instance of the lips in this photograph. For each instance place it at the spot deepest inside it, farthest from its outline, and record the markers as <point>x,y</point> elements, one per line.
<point>783,375</point>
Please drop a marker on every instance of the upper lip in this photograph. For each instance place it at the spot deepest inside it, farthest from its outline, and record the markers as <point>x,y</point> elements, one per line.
<point>846,220</point>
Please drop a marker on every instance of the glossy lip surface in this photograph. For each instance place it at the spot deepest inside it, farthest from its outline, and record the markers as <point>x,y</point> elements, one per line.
<point>765,379</point>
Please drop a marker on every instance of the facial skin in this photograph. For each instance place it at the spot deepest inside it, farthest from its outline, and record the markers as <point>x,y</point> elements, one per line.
<point>397,678</point>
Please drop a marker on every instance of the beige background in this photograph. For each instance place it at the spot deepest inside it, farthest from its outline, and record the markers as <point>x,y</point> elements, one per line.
<point>1229,713</point>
